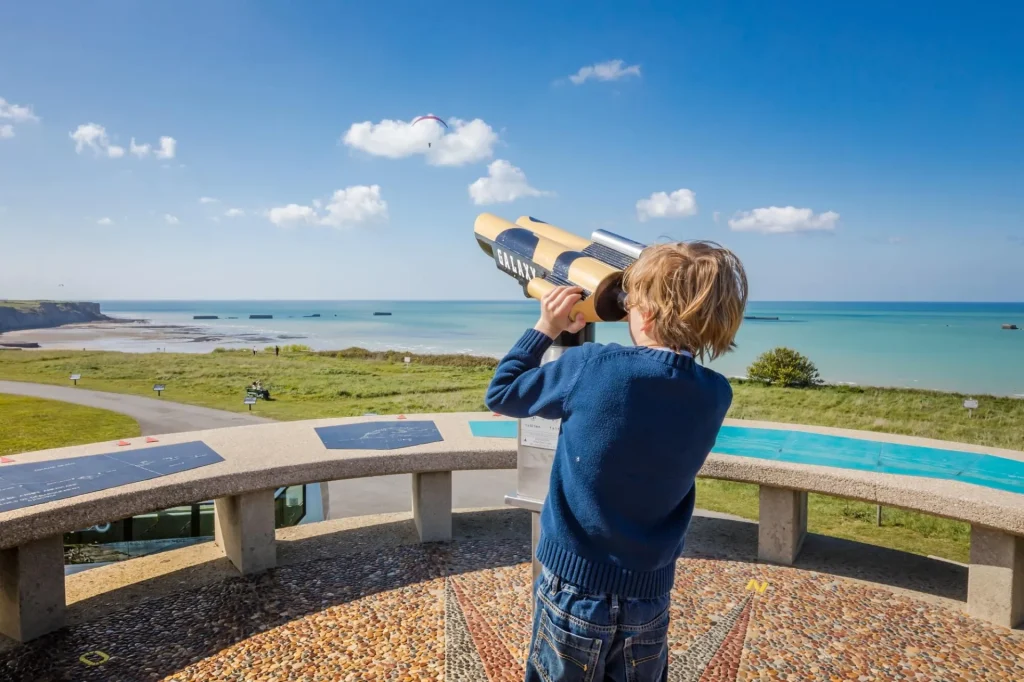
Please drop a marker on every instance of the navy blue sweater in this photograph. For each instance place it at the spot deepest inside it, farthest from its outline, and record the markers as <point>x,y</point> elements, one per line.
<point>637,425</point>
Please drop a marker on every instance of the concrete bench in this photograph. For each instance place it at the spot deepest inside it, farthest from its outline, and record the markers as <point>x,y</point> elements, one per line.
<point>259,459</point>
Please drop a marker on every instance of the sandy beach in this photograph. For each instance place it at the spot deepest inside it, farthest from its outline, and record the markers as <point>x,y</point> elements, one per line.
<point>140,336</point>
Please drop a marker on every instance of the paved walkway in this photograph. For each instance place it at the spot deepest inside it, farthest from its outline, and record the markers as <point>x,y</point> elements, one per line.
<point>153,415</point>
<point>370,603</point>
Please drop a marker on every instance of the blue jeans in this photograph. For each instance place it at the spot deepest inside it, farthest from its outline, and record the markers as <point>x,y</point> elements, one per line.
<point>580,637</point>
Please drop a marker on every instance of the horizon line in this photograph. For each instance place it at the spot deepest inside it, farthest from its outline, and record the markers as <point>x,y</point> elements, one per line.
<point>486,300</point>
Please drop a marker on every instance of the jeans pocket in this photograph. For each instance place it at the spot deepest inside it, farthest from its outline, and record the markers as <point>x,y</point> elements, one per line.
<point>646,652</point>
<point>560,655</point>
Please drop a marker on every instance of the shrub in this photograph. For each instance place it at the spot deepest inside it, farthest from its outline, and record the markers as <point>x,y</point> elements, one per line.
<point>785,367</point>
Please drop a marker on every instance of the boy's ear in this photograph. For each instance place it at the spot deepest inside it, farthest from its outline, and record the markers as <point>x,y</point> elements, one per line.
<point>647,322</point>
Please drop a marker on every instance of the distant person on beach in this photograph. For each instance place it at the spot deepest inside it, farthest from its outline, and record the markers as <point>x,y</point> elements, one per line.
<point>637,423</point>
<point>277,351</point>
<point>254,350</point>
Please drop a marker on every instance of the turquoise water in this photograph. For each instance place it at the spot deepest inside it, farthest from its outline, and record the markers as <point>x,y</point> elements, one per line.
<point>841,452</point>
<point>943,346</point>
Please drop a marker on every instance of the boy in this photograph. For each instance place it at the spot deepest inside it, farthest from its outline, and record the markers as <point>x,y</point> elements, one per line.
<point>637,424</point>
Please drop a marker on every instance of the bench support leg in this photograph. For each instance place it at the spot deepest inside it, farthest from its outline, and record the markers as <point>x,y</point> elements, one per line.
<point>995,583</point>
<point>32,589</point>
<point>782,526</point>
<point>244,529</point>
<point>432,505</point>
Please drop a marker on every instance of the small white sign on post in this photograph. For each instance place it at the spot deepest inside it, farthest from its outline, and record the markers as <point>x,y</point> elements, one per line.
<point>971,406</point>
<point>159,388</point>
<point>536,432</point>
<point>250,401</point>
<point>75,378</point>
<point>407,359</point>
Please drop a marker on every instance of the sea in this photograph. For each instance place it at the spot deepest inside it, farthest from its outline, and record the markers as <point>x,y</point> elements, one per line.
<point>958,347</point>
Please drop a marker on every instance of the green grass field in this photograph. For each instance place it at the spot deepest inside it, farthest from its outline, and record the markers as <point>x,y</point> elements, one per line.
<point>28,424</point>
<point>307,385</point>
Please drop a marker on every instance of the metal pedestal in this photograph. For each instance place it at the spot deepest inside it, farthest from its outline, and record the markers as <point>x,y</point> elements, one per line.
<point>533,460</point>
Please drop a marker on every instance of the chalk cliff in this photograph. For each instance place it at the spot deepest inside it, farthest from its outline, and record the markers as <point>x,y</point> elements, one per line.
<point>16,315</point>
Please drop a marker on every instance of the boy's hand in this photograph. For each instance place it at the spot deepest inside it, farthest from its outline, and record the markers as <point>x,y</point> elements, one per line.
<point>555,309</point>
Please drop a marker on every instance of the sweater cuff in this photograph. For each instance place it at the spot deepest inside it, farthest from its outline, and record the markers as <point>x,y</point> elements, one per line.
<point>534,342</point>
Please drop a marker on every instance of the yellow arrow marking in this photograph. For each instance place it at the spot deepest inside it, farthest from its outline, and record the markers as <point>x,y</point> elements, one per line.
<point>754,586</point>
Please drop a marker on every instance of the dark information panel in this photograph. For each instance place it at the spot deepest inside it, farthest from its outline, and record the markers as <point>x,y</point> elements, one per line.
<point>25,485</point>
<point>378,435</point>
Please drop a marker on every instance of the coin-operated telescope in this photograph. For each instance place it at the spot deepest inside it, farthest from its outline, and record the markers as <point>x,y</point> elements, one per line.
<point>541,257</point>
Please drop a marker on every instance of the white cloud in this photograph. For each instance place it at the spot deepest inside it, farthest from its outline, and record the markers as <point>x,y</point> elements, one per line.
<point>104,221</point>
<point>716,215</point>
<point>317,203</point>
<point>6,131</point>
<point>208,200</point>
<point>90,135</point>
<point>896,240</point>
<point>94,136</point>
<point>778,220</point>
<point>504,183</point>
<point>346,207</point>
<point>170,220</point>
<point>679,204</point>
<point>292,214</point>
<point>611,70</point>
<point>167,147</point>
<point>139,150</point>
<point>234,213</point>
<point>16,112</point>
<point>464,142</point>
<point>355,205</point>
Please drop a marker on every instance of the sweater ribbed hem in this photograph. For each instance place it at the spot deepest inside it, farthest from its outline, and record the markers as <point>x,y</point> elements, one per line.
<point>603,578</point>
<point>534,342</point>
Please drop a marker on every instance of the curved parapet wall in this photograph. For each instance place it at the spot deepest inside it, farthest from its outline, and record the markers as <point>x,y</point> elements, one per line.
<point>239,467</point>
<point>263,457</point>
<point>959,481</point>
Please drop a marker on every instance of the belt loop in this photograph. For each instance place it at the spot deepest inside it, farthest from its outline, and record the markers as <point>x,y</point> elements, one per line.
<point>556,583</point>
<point>615,607</point>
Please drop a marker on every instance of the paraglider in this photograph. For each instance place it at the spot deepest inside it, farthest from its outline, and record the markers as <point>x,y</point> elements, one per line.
<point>430,117</point>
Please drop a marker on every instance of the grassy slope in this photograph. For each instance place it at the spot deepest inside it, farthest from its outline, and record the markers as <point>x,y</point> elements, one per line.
<point>20,305</point>
<point>303,386</point>
<point>29,424</point>
<point>306,385</point>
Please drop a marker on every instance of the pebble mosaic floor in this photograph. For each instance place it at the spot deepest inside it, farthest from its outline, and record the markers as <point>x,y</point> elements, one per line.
<point>461,612</point>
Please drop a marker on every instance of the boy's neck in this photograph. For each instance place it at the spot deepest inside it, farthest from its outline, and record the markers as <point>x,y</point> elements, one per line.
<point>651,343</point>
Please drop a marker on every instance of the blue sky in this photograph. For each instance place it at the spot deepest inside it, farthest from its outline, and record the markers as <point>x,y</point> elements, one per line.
<point>872,152</point>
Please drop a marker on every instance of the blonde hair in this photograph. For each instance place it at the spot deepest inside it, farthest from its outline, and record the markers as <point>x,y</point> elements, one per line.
<point>693,292</point>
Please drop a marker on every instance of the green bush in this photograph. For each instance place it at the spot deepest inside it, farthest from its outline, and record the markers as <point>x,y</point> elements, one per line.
<point>785,367</point>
